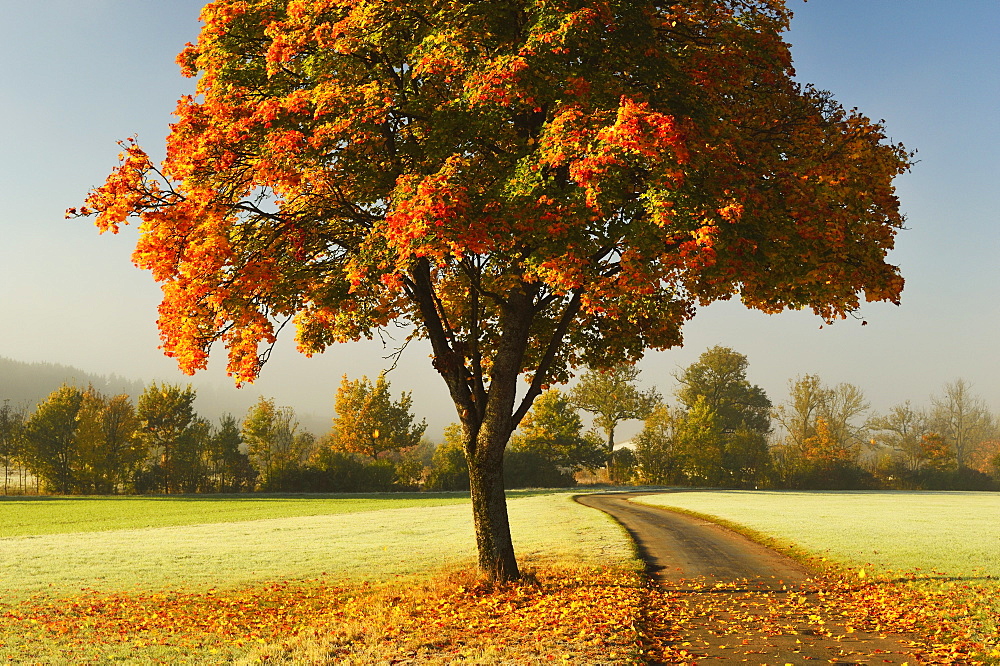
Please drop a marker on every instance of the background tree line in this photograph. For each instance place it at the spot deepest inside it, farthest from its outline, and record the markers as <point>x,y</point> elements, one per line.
<point>721,431</point>
<point>725,432</point>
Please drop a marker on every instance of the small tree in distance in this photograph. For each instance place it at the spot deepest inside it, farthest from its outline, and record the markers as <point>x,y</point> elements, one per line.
<point>449,466</point>
<point>936,454</point>
<point>962,419</point>
<point>165,413</point>
<point>719,378</point>
<point>274,442</point>
<point>530,186</point>
<point>229,466</point>
<point>12,441</point>
<point>611,395</point>
<point>369,422</point>
<point>51,433</point>
<point>902,430</point>
<point>108,439</point>
<point>825,434</point>
<point>715,388</point>
<point>657,454</point>
<point>553,432</point>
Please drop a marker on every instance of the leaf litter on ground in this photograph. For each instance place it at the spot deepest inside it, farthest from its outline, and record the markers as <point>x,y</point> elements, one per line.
<point>556,614</point>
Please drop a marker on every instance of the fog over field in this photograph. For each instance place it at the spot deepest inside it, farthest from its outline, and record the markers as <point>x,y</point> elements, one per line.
<point>100,72</point>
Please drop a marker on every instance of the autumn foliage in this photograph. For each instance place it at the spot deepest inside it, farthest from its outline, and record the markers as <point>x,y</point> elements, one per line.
<point>584,616</point>
<point>330,145</point>
<point>581,615</point>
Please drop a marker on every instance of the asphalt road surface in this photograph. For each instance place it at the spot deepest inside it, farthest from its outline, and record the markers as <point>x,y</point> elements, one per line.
<point>678,547</point>
<point>749,587</point>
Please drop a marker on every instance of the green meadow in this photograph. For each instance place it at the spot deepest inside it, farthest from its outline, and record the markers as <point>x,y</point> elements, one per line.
<point>119,543</point>
<point>32,516</point>
<point>61,546</point>
<point>954,534</point>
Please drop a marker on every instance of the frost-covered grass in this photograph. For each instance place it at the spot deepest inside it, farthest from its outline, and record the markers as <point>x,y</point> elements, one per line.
<point>220,592</point>
<point>954,533</point>
<point>367,543</point>
<point>23,516</point>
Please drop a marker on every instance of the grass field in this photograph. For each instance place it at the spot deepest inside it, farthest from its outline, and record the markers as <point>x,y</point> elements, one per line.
<point>387,579</point>
<point>32,516</point>
<point>954,533</point>
<point>202,580</point>
<point>367,538</point>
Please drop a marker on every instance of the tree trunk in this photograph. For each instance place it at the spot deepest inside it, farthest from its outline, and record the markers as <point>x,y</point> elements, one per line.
<point>487,409</point>
<point>489,509</point>
<point>486,440</point>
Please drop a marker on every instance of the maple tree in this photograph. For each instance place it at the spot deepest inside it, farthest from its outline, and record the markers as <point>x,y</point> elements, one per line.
<point>824,447</point>
<point>530,185</point>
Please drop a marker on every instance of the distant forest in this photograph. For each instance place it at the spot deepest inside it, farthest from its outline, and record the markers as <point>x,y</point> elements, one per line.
<point>27,384</point>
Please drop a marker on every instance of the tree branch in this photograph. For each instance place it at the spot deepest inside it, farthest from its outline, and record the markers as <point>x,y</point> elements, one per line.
<point>541,373</point>
<point>449,364</point>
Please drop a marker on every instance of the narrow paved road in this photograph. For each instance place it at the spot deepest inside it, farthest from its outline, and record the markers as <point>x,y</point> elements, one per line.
<point>735,601</point>
<point>678,547</point>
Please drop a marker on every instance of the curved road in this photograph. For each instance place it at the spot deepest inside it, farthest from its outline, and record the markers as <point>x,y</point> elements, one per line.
<point>737,601</point>
<point>676,547</point>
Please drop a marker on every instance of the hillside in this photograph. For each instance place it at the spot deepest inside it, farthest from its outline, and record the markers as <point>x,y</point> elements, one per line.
<point>26,384</point>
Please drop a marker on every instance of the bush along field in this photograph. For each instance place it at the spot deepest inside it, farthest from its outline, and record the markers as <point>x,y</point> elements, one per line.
<point>901,562</point>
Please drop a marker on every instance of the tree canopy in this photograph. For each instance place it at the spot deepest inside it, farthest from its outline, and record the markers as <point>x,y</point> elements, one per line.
<point>530,186</point>
<point>719,378</point>
<point>611,395</point>
<point>553,429</point>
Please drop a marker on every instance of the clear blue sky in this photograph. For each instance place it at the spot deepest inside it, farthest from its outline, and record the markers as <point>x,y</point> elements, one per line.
<point>78,76</point>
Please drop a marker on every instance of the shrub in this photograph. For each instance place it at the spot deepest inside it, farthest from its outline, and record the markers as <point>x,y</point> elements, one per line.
<point>530,469</point>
